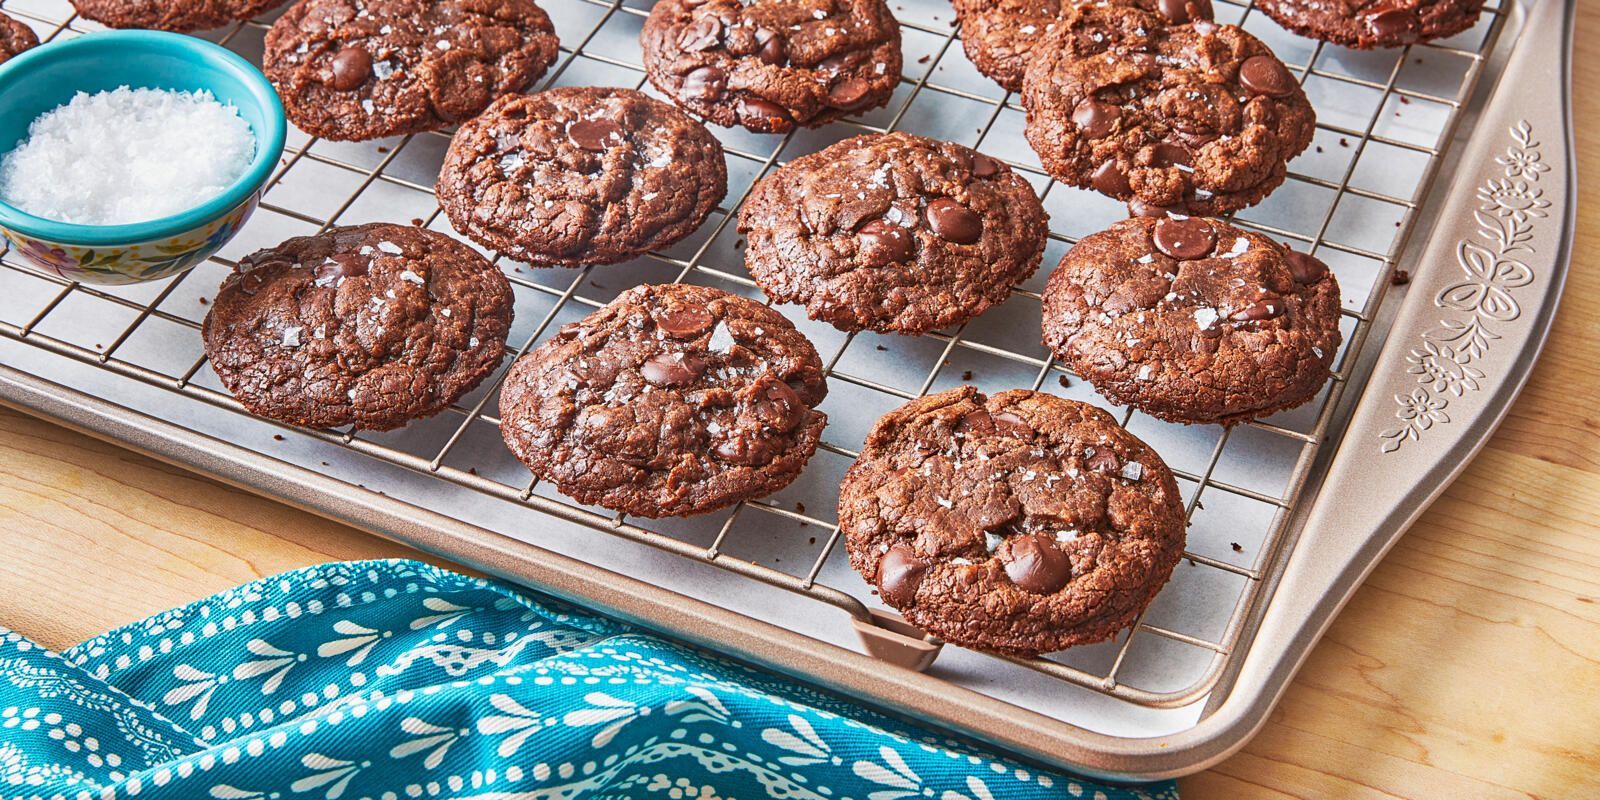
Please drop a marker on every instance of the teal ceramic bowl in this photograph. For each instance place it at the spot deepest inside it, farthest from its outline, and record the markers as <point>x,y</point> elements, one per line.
<point>48,76</point>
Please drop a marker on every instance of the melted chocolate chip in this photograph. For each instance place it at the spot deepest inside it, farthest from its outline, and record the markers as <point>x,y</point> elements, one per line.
<point>595,135</point>
<point>1140,208</point>
<point>953,222</point>
<point>1257,311</point>
<point>892,242</point>
<point>779,407</point>
<point>683,322</point>
<point>1013,424</point>
<point>849,93</point>
<point>1036,565</point>
<point>772,49</point>
<point>770,114</point>
<point>1389,23</point>
<point>1167,154</point>
<point>984,166</point>
<point>1094,118</point>
<point>900,572</point>
<point>1266,75</point>
<point>705,83</point>
<point>704,34</point>
<point>341,265</point>
<point>1181,11</point>
<point>1110,179</point>
<point>352,66</point>
<point>1103,460</point>
<point>1305,268</point>
<point>1184,239</point>
<point>672,369</point>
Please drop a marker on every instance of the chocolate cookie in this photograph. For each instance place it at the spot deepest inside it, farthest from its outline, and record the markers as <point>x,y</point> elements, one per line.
<point>772,64</point>
<point>1199,117</point>
<point>1193,320</point>
<point>581,175</point>
<point>1020,523</point>
<point>671,400</point>
<point>15,37</point>
<point>892,232</point>
<point>365,69</point>
<point>1365,24</point>
<point>372,326</point>
<point>181,16</point>
<point>1000,35</point>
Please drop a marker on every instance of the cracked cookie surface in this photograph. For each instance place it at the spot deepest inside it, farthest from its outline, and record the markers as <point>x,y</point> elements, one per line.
<point>1199,118</point>
<point>365,69</point>
<point>581,175</point>
<point>893,232</point>
<point>372,326</point>
<point>1000,36</point>
<point>669,401</point>
<point>1193,320</point>
<point>1366,24</point>
<point>1020,523</point>
<point>770,65</point>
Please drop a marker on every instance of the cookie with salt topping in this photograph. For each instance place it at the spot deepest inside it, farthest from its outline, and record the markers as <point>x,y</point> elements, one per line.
<point>893,232</point>
<point>1193,320</point>
<point>1019,522</point>
<point>366,69</point>
<point>771,65</point>
<point>371,326</point>
<point>581,175</point>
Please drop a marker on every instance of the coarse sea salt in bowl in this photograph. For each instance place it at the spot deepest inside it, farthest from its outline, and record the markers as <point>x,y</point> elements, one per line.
<point>89,85</point>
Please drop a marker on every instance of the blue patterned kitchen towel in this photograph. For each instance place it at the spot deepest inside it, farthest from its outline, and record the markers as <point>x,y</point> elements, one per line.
<point>396,679</point>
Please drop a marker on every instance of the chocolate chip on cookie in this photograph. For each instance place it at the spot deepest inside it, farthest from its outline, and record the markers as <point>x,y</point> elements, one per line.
<point>1000,36</point>
<point>581,175</point>
<point>1193,320</point>
<point>669,401</point>
<point>1374,23</point>
<point>1019,523</point>
<point>770,65</point>
<point>365,69</point>
<point>1200,118</point>
<point>15,37</point>
<point>372,326</point>
<point>181,16</point>
<point>893,232</point>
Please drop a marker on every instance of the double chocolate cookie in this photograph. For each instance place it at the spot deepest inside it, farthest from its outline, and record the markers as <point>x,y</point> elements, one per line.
<point>1000,36</point>
<point>1374,23</point>
<point>372,326</point>
<point>1020,523</point>
<point>1193,320</point>
<point>581,175</point>
<point>365,69</point>
<point>15,37</point>
<point>1199,117</point>
<point>893,232</point>
<point>770,65</point>
<point>671,400</point>
<point>181,16</point>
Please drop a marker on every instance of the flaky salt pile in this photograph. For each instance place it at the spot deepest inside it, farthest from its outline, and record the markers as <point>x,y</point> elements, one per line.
<point>127,155</point>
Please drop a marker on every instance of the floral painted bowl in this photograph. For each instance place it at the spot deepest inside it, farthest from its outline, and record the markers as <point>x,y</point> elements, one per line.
<point>48,76</point>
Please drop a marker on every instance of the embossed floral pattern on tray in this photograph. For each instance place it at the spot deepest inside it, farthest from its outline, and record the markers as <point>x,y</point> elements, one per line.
<point>1444,361</point>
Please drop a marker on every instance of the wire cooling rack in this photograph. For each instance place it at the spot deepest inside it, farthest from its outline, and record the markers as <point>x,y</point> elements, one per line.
<point>1385,120</point>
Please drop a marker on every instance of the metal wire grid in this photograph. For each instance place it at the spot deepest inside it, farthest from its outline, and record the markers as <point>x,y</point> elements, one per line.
<point>1107,681</point>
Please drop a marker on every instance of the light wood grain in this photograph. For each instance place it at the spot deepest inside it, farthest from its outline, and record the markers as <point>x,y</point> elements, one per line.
<point>1467,666</point>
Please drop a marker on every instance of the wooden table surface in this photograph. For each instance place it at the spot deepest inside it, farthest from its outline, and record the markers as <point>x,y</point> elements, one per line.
<point>1467,666</point>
